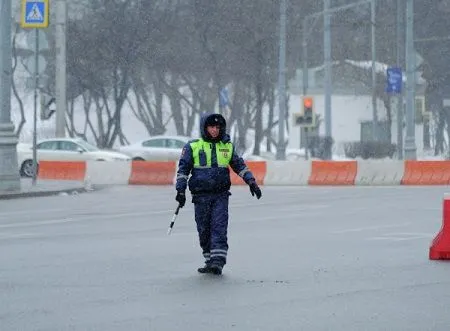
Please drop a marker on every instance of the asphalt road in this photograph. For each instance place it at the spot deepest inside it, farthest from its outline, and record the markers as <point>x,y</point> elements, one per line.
<point>301,258</point>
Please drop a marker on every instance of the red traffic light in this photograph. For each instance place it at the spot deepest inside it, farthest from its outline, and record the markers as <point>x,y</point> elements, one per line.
<point>307,102</point>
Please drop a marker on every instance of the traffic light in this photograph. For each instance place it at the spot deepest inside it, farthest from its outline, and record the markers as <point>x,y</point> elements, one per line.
<point>308,110</point>
<point>305,118</point>
<point>299,119</point>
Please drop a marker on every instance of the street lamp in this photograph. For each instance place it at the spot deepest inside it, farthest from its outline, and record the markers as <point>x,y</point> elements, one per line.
<point>9,172</point>
<point>328,72</point>
<point>61,70</point>
<point>281,148</point>
<point>410,139</point>
<point>400,95</point>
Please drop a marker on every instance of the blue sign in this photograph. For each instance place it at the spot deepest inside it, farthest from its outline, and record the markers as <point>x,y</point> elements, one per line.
<point>35,14</point>
<point>223,98</point>
<point>394,80</point>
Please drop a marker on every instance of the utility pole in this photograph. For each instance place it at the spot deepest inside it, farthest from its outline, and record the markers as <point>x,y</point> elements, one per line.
<point>36,87</point>
<point>61,76</point>
<point>375,126</point>
<point>410,139</point>
<point>9,169</point>
<point>327,63</point>
<point>400,95</point>
<point>281,148</point>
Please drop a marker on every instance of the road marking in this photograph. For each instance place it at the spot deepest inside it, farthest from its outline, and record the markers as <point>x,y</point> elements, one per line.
<point>24,212</point>
<point>370,228</point>
<point>280,217</point>
<point>402,236</point>
<point>4,236</point>
<point>298,206</point>
<point>82,218</point>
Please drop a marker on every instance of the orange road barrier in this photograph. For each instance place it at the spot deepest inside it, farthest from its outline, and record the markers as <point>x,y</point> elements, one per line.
<point>440,246</point>
<point>152,173</point>
<point>333,173</point>
<point>426,173</point>
<point>62,170</point>
<point>258,168</point>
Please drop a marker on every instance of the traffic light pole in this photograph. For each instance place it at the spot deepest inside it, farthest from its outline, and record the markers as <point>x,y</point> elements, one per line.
<point>306,135</point>
<point>305,83</point>
<point>327,54</point>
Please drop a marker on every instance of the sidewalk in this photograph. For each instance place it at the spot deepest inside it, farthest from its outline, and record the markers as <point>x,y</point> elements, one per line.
<point>45,188</point>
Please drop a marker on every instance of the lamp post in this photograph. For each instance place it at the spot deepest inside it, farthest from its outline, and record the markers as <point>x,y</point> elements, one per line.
<point>281,148</point>
<point>410,139</point>
<point>61,74</point>
<point>327,63</point>
<point>400,95</point>
<point>9,172</point>
<point>375,126</point>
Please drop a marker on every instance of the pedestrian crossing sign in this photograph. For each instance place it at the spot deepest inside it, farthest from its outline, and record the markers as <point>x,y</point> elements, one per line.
<point>35,14</point>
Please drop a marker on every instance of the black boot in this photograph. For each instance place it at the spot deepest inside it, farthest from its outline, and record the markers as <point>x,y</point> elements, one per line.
<point>215,269</point>
<point>204,270</point>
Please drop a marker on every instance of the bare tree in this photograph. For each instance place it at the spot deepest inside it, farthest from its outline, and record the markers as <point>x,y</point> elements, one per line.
<point>142,53</point>
<point>106,47</point>
<point>13,82</point>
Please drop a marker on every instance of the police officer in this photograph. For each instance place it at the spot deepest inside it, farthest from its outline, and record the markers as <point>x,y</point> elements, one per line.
<point>207,160</point>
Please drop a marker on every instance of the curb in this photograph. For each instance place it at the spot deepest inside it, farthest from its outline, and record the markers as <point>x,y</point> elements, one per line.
<point>39,194</point>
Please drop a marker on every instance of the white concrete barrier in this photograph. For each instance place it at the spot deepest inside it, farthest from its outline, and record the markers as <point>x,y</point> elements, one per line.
<point>289,173</point>
<point>112,172</point>
<point>379,172</point>
<point>278,173</point>
<point>174,181</point>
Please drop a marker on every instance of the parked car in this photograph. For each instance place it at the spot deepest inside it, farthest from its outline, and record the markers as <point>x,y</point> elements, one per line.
<point>63,149</point>
<point>156,148</point>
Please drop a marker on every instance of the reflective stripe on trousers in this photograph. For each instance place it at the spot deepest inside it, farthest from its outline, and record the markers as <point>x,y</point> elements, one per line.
<point>211,217</point>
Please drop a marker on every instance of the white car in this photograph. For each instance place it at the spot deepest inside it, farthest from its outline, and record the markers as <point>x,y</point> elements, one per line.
<point>63,149</point>
<point>156,148</point>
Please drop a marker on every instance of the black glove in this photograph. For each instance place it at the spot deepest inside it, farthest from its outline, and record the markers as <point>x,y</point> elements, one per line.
<point>181,198</point>
<point>254,189</point>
